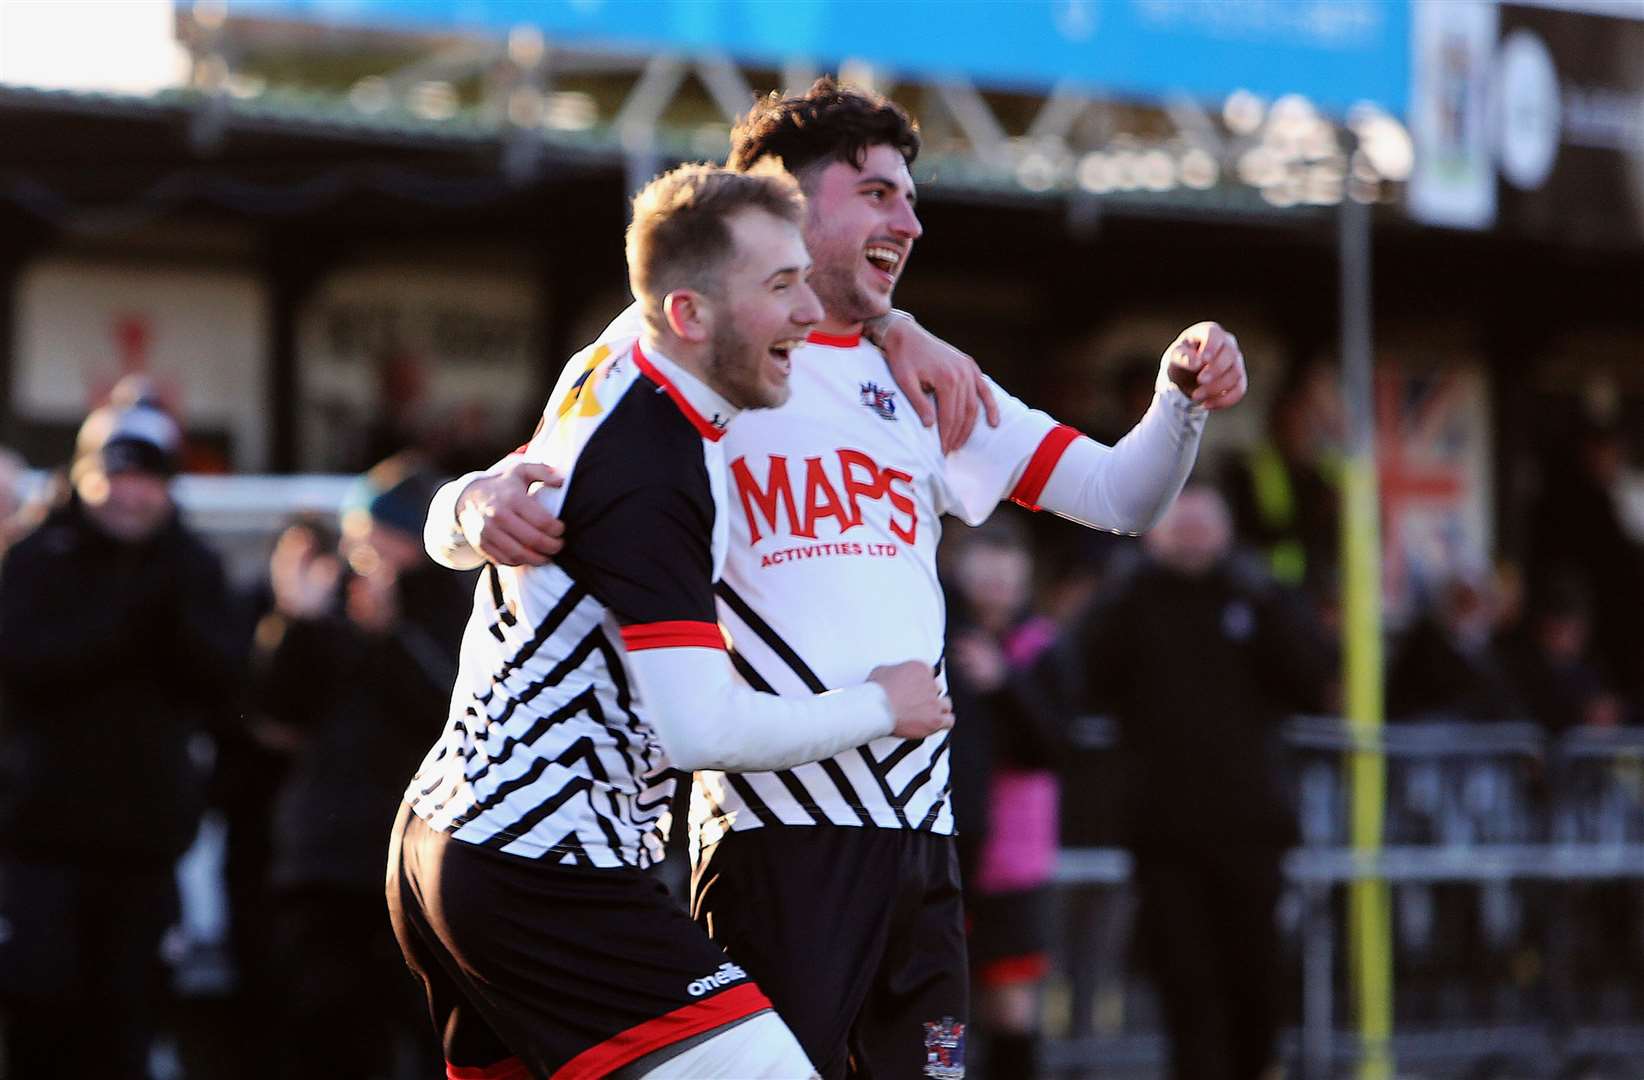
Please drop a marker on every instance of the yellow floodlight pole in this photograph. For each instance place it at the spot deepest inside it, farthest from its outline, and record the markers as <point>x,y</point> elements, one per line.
<point>1369,922</point>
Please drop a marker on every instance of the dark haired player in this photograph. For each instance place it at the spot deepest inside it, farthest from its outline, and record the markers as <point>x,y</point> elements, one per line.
<point>835,883</point>
<point>515,879</point>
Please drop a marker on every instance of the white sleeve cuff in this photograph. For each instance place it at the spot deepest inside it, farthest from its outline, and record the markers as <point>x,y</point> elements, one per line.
<point>442,534</point>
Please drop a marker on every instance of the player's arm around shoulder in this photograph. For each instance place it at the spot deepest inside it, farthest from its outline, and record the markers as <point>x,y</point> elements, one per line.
<point>492,516</point>
<point>944,385</point>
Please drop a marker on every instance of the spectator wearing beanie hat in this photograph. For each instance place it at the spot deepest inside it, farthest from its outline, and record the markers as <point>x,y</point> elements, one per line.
<point>118,650</point>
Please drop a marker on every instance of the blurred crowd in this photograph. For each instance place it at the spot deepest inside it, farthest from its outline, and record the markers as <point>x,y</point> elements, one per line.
<point>138,688</point>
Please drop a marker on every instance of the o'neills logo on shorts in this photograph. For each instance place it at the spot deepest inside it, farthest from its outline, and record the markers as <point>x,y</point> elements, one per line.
<point>726,974</point>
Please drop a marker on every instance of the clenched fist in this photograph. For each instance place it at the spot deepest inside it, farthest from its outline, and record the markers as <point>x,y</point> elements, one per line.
<point>915,700</point>
<point>1205,364</point>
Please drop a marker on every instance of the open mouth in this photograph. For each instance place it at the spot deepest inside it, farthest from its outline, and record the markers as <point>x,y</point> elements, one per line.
<point>782,353</point>
<point>886,260</point>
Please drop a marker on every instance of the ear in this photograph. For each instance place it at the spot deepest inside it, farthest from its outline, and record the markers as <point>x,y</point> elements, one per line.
<point>689,315</point>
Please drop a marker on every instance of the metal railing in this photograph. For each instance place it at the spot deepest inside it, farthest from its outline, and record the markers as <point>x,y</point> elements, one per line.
<point>1494,808</point>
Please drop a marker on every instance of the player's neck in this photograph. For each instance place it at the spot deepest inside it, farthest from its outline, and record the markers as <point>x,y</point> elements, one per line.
<point>837,328</point>
<point>692,358</point>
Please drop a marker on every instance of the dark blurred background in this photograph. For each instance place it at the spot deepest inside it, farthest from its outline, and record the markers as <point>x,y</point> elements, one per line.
<point>318,234</point>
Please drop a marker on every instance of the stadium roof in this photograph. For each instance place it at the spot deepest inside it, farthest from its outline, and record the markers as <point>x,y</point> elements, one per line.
<point>464,117</point>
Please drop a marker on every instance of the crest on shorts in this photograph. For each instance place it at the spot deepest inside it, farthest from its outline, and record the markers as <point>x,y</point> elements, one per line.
<point>881,401</point>
<point>945,1049</point>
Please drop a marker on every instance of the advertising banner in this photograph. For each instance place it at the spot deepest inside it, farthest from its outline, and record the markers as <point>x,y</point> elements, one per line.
<point>1570,93</point>
<point>1336,52</point>
<point>1530,117</point>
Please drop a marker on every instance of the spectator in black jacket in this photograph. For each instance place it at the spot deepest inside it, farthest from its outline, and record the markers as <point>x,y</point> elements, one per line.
<point>1578,540</point>
<point>1561,680</point>
<point>355,667</point>
<point>1450,666</point>
<point>117,645</point>
<point>1199,658</point>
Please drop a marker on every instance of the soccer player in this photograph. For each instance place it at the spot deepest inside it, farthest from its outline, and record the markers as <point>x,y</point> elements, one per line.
<point>835,883</point>
<point>515,881</point>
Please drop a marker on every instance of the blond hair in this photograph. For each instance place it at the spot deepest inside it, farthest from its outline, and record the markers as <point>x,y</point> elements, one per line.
<point>680,237</point>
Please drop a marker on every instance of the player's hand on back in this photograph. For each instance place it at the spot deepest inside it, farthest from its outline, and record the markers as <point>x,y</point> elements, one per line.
<point>502,520</point>
<point>1205,364</point>
<point>916,700</point>
<point>923,364</point>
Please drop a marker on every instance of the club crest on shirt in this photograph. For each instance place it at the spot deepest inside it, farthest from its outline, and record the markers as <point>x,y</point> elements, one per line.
<point>882,402</point>
<point>944,1049</point>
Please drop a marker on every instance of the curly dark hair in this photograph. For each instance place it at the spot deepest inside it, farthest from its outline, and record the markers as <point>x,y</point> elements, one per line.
<point>827,123</point>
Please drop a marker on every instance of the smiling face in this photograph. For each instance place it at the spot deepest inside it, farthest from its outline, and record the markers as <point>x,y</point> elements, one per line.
<point>763,309</point>
<point>860,227</point>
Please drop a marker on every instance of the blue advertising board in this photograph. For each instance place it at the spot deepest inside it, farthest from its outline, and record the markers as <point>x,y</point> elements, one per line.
<point>1336,52</point>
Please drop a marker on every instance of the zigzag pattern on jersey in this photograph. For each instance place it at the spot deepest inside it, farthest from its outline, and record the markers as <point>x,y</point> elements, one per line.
<point>490,804</point>
<point>828,777</point>
<point>572,598</point>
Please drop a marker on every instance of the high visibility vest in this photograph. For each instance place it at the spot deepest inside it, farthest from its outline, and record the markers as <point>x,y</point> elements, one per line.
<point>1276,506</point>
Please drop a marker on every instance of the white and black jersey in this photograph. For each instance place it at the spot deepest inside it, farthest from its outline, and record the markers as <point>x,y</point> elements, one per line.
<point>546,752</point>
<point>836,502</point>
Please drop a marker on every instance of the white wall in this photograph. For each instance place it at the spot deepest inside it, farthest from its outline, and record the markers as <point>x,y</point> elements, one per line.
<point>204,336</point>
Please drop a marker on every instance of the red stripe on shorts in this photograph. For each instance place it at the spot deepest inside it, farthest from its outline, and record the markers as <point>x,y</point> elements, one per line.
<point>1015,969</point>
<point>665,1030</point>
<point>506,1069</point>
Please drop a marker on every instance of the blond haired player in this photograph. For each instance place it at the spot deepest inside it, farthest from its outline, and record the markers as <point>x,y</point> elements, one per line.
<point>516,879</point>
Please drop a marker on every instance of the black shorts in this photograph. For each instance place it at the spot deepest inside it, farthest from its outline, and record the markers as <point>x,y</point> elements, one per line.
<point>856,934</point>
<point>537,970</point>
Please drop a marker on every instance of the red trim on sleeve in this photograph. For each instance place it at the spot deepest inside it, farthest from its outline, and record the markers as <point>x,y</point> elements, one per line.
<point>665,1030</point>
<point>1042,464</point>
<point>672,635</point>
<point>506,1069</point>
<point>703,426</point>
<point>836,341</point>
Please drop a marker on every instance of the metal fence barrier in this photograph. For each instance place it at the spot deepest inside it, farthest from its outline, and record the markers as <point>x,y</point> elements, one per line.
<point>1492,827</point>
